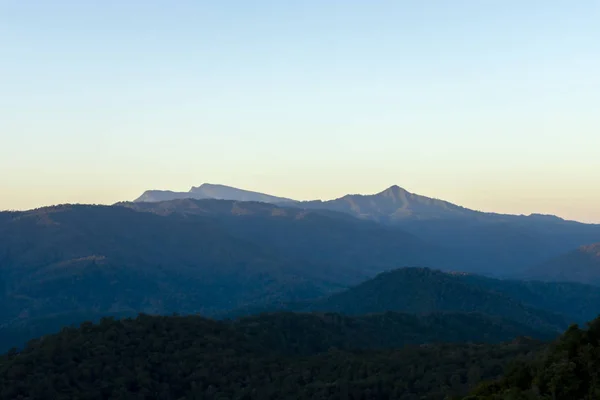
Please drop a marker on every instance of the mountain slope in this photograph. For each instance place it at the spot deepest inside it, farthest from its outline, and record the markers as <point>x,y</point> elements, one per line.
<point>581,265</point>
<point>310,333</point>
<point>163,195</point>
<point>395,204</point>
<point>494,244</point>
<point>222,192</point>
<point>210,191</point>
<point>112,259</point>
<point>504,247</point>
<point>346,250</point>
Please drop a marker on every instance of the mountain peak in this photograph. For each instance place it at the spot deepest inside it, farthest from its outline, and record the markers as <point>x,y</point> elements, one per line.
<point>394,191</point>
<point>395,188</point>
<point>205,186</point>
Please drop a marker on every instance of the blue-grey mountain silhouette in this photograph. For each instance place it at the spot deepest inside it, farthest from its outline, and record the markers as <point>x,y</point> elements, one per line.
<point>210,191</point>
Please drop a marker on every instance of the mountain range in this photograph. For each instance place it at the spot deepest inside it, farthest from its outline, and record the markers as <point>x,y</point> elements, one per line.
<point>69,263</point>
<point>392,204</point>
<point>496,244</point>
<point>310,297</point>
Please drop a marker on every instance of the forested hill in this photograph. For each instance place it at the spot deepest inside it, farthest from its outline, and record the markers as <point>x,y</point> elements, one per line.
<point>423,290</point>
<point>566,370</point>
<point>277,356</point>
<point>303,333</point>
<point>319,332</point>
<point>287,356</point>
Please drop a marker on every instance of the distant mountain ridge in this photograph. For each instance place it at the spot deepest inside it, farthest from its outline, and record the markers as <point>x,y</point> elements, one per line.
<point>211,256</point>
<point>391,204</point>
<point>501,245</point>
<point>210,191</point>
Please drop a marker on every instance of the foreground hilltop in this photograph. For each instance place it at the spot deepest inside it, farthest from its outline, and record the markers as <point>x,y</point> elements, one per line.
<point>566,370</point>
<point>278,356</point>
<point>296,356</point>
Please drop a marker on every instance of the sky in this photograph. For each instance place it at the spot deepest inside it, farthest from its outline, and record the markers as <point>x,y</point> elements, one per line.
<point>494,105</point>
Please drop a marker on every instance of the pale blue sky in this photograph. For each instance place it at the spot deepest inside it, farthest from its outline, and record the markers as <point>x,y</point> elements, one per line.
<point>494,104</point>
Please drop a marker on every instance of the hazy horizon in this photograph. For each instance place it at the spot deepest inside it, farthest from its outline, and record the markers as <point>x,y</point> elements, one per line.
<point>489,105</point>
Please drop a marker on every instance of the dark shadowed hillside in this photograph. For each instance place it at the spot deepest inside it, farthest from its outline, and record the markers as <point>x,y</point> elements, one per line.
<point>422,290</point>
<point>112,259</point>
<point>348,250</point>
<point>566,370</point>
<point>310,333</point>
<point>279,356</point>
